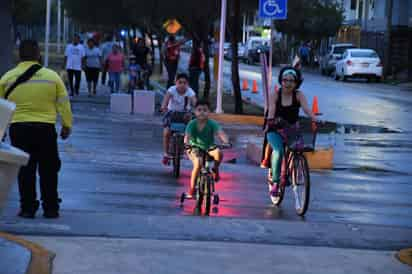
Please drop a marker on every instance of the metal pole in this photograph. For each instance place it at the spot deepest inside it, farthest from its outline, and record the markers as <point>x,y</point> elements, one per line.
<point>219,108</point>
<point>47,36</point>
<point>388,47</point>
<point>59,27</point>
<point>244,29</point>
<point>272,27</point>
<point>64,28</point>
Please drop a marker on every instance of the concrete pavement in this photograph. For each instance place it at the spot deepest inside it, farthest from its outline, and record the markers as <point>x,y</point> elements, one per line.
<point>78,255</point>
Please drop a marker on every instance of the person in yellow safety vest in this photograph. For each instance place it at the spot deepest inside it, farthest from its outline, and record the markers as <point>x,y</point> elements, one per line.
<point>39,95</point>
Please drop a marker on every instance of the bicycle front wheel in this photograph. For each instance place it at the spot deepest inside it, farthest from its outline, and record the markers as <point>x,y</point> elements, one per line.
<point>301,184</point>
<point>208,195</point>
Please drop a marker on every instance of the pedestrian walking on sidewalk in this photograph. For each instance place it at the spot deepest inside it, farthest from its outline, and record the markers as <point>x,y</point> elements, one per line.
<point>106,48</point>
<point>40,95</point>
<point>196,66</point>
<point>115,66</point>
<point>74,61</point>
<point>93,64</point>
<point>171,53</point>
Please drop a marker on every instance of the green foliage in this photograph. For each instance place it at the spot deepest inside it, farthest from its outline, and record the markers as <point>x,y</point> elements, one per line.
<point>311,19</point>
<point>28,11</point>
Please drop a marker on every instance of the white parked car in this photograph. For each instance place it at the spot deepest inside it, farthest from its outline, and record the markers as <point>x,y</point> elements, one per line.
<point>359,63</point>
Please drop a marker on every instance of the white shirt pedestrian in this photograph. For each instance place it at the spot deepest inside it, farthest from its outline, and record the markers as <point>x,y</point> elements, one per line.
<point>74,54</point>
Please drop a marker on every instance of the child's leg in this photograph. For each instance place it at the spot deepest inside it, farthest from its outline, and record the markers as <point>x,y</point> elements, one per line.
<point>197,165</point>
<point>166,140</point>
<point>217,155</point>
<point>276,142</point>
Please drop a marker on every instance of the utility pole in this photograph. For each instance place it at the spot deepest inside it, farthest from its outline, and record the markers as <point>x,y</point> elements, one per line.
<point>47,36</point>
<point>388,38</point>
<point>219,98</point>
<point>59,26</point>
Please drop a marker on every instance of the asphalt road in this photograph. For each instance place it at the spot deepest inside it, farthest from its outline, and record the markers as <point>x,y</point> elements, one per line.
<point>112,183</point>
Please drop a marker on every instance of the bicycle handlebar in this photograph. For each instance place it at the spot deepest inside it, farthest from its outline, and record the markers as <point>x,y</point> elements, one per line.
<point>221,146</point>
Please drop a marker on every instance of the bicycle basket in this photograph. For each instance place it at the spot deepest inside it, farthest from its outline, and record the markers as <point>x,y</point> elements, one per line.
<point>300,139</point>
<point>178,127</point>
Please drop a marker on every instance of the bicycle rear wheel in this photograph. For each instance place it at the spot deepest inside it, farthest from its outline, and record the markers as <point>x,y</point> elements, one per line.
<point>301,184</point>
<point>176,159</point>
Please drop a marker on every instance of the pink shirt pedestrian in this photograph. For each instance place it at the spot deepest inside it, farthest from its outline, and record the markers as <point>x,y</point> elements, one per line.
<point>115,62</point>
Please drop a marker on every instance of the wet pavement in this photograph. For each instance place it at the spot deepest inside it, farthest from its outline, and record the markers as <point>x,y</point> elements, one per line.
<point>112,183</point>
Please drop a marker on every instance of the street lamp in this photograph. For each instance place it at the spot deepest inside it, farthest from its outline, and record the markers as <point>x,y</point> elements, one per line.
<point>219,108</point>
<point>47,36</point>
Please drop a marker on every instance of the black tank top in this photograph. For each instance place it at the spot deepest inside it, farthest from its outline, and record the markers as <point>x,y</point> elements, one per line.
<point>289,113</point>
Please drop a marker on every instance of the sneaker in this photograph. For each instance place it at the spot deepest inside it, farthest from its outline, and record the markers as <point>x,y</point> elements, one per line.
<point>265,164</point>
<point>275,190</point>
<point>165,160</point>
<point>51,214</point>
<point>190,194</point>
<point>26,214</point>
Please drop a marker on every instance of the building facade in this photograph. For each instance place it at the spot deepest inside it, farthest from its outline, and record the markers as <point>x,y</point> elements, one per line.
<point>384,25</point>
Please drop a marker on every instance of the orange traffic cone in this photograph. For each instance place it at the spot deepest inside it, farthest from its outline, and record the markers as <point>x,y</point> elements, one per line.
<point>255,87</point>
<point>315,106</point>
<point>245,85</point>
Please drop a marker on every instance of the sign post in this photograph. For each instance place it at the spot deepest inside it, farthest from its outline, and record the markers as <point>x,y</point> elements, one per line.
<point>274,10</point>
<point>47,36</point>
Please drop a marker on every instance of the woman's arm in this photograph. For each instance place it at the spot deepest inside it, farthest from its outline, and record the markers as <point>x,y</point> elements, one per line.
<point>304,103</point>
<point>273,97</point>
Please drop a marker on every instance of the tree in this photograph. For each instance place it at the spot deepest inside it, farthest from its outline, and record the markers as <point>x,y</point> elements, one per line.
<point>6,51</point>
<point>234,30</point>
<point>311,19</point>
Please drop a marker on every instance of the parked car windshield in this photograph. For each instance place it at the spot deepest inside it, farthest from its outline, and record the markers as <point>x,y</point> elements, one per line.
<point>341,50</point>
<point>364,54</point>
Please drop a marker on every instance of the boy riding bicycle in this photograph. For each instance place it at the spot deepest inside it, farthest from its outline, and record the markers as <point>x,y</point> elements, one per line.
<point>200,133</point>
<point>178,101</point>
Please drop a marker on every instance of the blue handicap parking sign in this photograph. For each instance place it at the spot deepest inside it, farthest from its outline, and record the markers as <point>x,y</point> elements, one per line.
<point>273,9</point>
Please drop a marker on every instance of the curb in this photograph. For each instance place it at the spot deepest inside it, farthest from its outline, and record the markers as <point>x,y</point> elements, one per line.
<point>41,261</point>
<point>238,119</point>
<point>405,256</point>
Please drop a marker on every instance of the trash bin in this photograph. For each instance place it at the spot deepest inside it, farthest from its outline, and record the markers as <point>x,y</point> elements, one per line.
<point>11,158</point>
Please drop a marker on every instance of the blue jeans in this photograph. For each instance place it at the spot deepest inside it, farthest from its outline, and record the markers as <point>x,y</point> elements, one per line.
<point>276,142</point>
<point>114,81</point>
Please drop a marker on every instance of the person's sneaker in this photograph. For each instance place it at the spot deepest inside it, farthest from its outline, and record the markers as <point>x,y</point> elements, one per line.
<point>190,194</point>
<point>264,164</point>
<point>26,214</point>
<point>274,191</point>
<point>165,160</point>
<point>51,214</point>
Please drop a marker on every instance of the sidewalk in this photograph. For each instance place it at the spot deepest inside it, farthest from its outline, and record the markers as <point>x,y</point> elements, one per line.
<point>130,256</point>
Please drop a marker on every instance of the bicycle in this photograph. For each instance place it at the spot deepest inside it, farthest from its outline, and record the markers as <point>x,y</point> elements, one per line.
<point>295,169</point>
<point>205,182</point>
<point>176,146</point>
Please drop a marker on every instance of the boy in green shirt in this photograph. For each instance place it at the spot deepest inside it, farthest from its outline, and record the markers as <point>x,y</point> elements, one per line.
<point>201,133</point>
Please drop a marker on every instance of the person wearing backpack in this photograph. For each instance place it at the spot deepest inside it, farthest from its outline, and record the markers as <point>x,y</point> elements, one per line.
<point>40,95</point>
<point>171,53</point>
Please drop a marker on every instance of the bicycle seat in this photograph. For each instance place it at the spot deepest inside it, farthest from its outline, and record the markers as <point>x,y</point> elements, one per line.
<point>178,127</point>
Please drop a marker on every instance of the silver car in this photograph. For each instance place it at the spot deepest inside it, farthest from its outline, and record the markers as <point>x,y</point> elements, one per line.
<point>333,55</point>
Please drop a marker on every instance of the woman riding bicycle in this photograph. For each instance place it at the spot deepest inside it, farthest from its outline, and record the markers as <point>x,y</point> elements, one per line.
<point>283,105</point>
